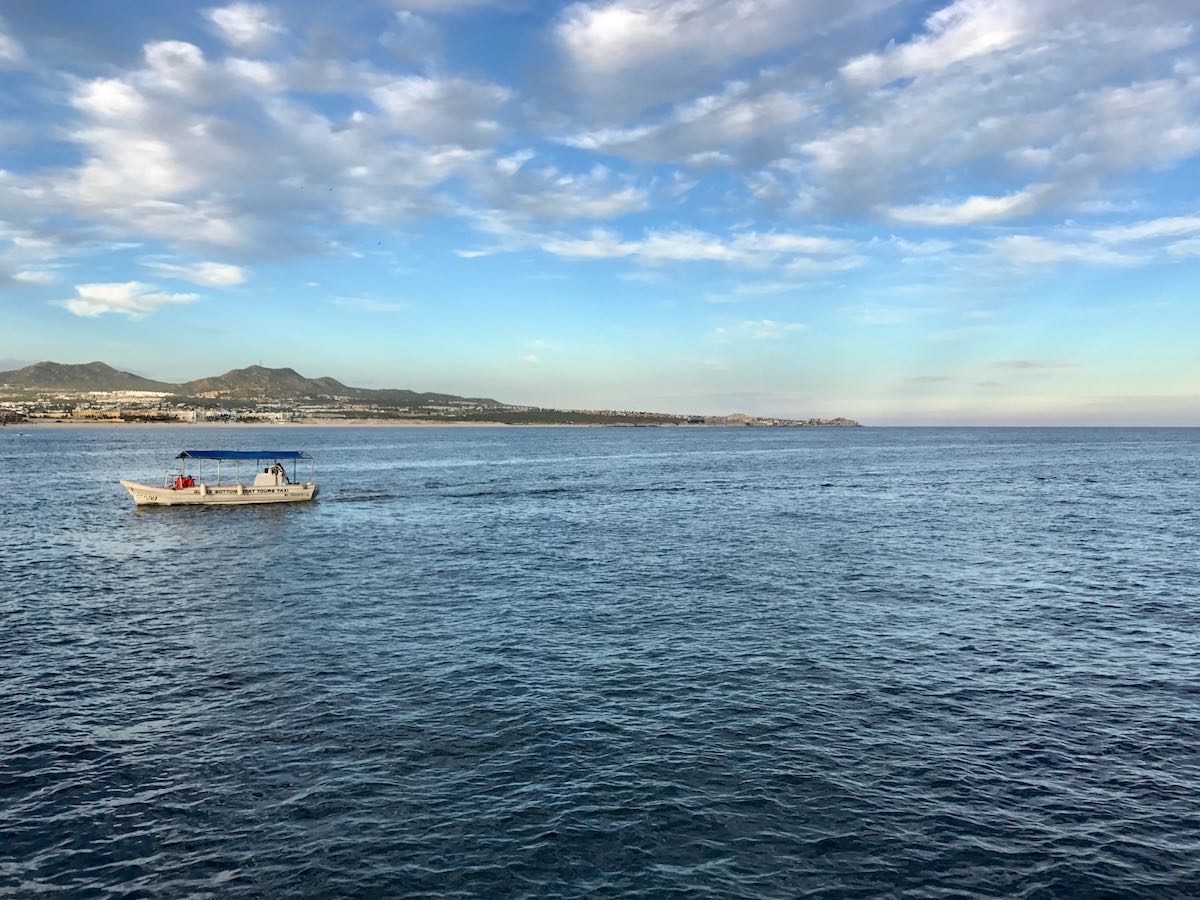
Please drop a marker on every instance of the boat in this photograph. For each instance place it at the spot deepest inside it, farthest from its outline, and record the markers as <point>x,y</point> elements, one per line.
<point>271,483</point>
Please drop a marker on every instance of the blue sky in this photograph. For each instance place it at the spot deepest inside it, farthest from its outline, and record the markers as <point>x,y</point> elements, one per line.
<point>982,211</point>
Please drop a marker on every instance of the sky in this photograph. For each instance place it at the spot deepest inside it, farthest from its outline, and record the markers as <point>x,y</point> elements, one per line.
<point>974,212</point>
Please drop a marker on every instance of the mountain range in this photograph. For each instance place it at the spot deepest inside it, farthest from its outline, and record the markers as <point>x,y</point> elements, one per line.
<point>250,383</point>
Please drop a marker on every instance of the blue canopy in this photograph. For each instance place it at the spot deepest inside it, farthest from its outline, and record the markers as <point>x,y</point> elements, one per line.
<point>243,454</point>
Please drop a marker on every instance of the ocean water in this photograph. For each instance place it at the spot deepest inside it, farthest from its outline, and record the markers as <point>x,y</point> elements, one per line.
<point>607,662</point>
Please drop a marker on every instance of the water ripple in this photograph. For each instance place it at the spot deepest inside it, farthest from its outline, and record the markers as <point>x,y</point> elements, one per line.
<point>614,663</point>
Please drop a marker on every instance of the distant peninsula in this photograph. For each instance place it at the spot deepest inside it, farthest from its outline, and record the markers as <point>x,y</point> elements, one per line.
<point>97,392</point>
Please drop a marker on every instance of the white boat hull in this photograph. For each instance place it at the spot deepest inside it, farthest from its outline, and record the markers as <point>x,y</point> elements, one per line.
<point>219,494</point>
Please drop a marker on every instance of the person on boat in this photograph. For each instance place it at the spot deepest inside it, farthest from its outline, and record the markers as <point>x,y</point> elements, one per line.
<point>279,470</point>
<point>178,482</point>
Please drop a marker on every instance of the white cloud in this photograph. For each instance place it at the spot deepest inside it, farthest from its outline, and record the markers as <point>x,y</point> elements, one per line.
<point>1082,93</point>
<point>162,156</point>
<point>657,246</point>
<point>602,38</point>
<point>1184,248</point>
<point>1130,244</point>
<point>130,298</point>
<point>413,38</point>
<point>637,52</point>
<point>1033,157</point>
<point>1022,249</point>
<point>1168,226</point>
<point>914,251</point>
<point>202,223</point>
<point>806,265</point>
<point>34,276</point>
<point>109,99</point>
<point>701,133</point>
<point>529,359</point>
<point>449,6</point>
<point>1145,124</point>
<point>245,24</point>
<point>443,110</point>
<point>963,30</point>
<point>176,66</point>
<point>11,52</point>
<point>808,112</point>
<point>970,211</point>
<point>773,242</point>
<point>686,245</point>
<point>600,244</point>
<point>257,73</point>
<point>129,168</point>
<point>28,243</point>
<point>751,248</point>
<point>549,195</point>
<point>211,274</point>
<point>511,164</point>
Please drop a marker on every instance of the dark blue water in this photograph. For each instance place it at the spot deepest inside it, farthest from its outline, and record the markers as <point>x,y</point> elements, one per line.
<point>607,662</point>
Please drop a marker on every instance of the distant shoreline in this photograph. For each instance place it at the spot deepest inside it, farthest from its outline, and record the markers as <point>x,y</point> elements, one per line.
<point>382,423</point>
<point>310,423</point>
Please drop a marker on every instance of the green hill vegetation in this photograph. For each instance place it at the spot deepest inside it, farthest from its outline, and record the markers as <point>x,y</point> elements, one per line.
<point>250,383</point>
<point>93,376</point>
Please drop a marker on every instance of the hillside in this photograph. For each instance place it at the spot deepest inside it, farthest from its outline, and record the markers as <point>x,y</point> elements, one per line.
<point>255,382</point>
<point>93,376</point>
<point>259,382</point>
<point>250,383</point>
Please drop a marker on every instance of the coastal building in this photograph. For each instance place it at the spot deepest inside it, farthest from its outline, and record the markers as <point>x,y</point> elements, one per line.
<point>97,413</point>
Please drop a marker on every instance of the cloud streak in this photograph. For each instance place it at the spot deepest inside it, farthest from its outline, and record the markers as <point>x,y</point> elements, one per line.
<point>245,25</point>
<point>753,249</point>
<point>209,274</point>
